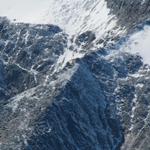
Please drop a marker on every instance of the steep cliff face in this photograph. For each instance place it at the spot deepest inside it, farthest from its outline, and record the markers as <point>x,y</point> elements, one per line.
<point>81,92</point>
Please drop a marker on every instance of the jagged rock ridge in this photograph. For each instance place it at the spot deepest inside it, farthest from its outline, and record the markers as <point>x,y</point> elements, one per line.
<point>93,100</point>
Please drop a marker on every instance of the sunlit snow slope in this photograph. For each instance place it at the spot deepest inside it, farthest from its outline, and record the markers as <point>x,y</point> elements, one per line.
<point>71,15</point>
<point>80,15</point>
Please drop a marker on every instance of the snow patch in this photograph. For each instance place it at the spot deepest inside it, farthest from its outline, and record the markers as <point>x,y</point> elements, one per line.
<point>14,102</point>
<point>68,56</point>
<point>139,43</point>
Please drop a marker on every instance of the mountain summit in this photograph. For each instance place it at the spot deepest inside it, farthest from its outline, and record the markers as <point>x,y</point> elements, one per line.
<point>78,81</point>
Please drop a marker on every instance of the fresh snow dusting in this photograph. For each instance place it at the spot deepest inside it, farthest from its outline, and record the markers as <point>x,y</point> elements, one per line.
<point>68,56</point>
<point>139,43</point>
<point>14,103</point>
<point>76,16</point>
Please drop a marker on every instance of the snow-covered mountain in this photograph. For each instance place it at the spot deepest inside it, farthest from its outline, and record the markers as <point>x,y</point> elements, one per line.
<point>75,16</point>
<point>74,75</point>
<point>79,16</point>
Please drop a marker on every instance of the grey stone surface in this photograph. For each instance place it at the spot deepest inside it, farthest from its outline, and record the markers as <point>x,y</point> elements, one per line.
<point>98,102</point>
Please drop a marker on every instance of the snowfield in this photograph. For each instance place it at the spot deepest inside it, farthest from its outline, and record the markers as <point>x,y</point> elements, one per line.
<point>28,11</point>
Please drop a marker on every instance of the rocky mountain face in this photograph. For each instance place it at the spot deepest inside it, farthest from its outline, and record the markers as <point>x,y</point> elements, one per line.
<point>62,92</point>
<point>130,13</point>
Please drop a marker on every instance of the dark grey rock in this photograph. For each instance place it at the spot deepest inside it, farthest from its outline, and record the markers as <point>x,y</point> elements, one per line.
<point>98,102</point>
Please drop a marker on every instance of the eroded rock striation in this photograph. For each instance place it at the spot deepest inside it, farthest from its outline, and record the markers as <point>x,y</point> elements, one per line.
<point>62,93</point>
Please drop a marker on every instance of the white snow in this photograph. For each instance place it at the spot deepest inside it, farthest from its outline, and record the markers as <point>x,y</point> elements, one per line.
<point>76,16</point>
<point>26,37</point>
<point>139,43</point>
<point>140,85</point>
<point>29,11</point>
<point>14,103</point>
<point>142,2</point>
<point>73,16</point>
<point>67,56</point>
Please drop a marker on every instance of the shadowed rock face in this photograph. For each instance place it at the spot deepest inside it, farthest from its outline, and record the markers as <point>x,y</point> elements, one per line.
<point>85,38</point>
<point>69,109</point>
<point>130,13</point>
<point>26,50</point>
<point>99,101</point>
<point>79,117</point>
